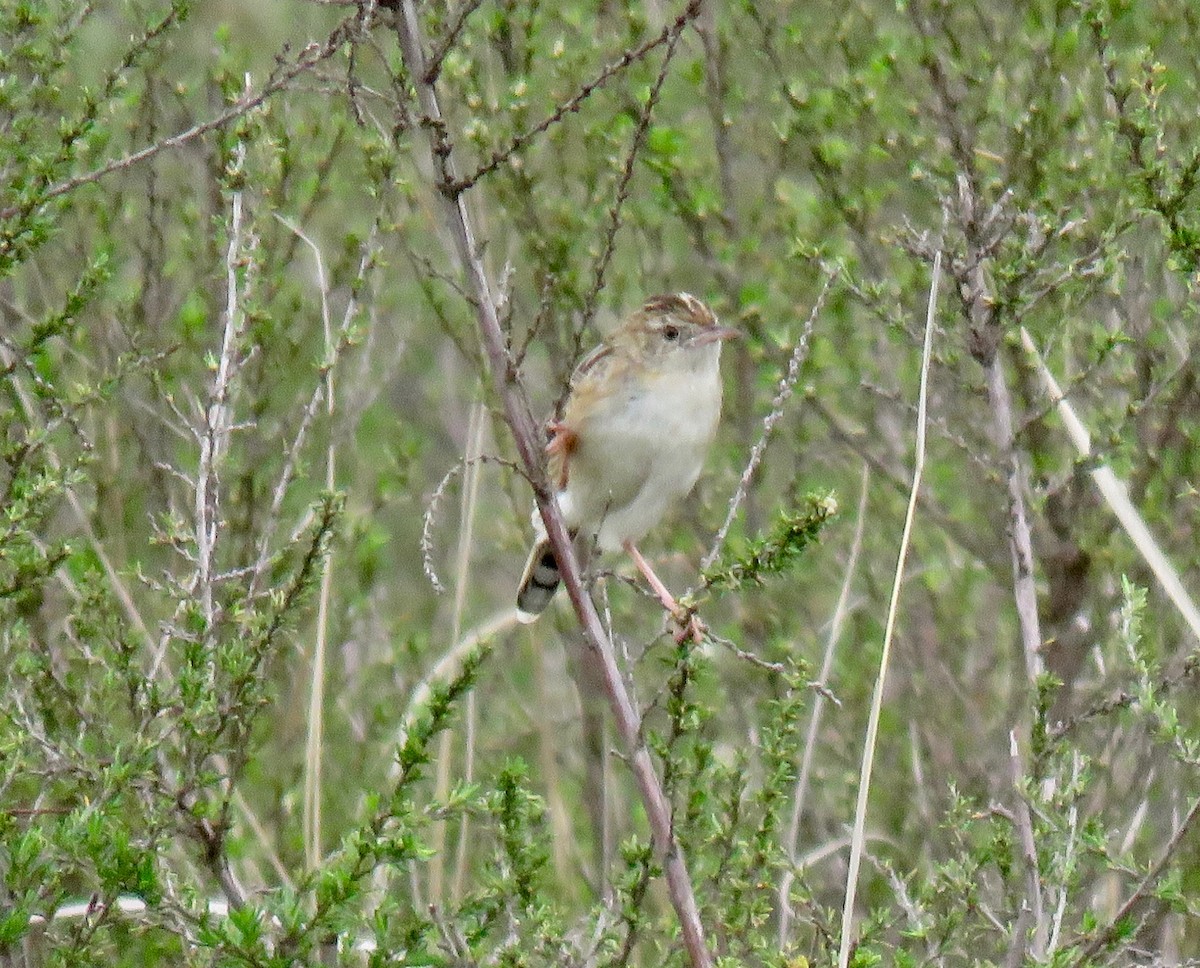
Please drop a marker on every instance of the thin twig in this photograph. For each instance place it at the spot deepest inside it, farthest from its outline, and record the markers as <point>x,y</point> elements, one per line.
<point>435,500</point>
<point>456,186</point>
<point>622,193</point>
<point>835,631</point>
<point>312,55</point>
<point>787,385</point>
<point>868,759</point>
<point>1106,937</point>
<point>438,56</point>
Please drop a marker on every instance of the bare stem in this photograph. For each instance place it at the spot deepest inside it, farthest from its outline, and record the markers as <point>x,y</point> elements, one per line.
<point>1020,540</point>
<point>868,759</point>
<point>814,723</point>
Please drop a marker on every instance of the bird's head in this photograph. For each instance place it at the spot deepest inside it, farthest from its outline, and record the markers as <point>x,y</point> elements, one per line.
<point>676,328</point>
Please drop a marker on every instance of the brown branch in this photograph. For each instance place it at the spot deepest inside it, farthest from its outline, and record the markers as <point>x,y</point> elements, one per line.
<point>1106,937</point>
<point>457,186</point>
<point>312,55</point>
<point>520,420</point>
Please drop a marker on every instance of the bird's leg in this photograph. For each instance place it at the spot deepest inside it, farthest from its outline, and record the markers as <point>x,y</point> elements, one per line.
<point>690,625</point>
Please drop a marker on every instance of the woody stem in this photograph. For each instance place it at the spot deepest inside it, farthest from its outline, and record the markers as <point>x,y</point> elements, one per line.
<point>527,439</point>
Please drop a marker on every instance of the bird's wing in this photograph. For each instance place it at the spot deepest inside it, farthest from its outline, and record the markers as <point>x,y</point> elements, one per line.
<point>561,435</point>
<point>592,364</point>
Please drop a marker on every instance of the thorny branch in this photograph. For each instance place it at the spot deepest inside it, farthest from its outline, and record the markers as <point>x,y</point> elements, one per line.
<point>787,385</point>
<point>312,55</point>
<point>457,186</point>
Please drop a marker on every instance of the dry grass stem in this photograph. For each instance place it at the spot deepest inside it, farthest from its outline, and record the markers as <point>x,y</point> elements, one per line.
<point>868,758</point>
<point>1116,495</point>
<point>470,505</point>
<point>315,733</point>
<point>814,724</point>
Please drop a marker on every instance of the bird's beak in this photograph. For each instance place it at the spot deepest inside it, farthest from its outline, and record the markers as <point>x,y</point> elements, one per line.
<point>717,333</point>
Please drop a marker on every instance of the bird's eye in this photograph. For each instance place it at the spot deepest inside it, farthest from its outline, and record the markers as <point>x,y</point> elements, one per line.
<point>670,333</point>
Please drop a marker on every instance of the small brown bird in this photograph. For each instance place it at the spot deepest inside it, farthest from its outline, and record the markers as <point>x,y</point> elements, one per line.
<point>642,411</point>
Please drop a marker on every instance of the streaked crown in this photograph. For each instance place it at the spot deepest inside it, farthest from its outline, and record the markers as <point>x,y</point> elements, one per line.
<point>683,306</point>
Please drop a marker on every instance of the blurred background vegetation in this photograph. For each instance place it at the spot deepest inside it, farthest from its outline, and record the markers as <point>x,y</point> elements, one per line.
<point>244,395</point>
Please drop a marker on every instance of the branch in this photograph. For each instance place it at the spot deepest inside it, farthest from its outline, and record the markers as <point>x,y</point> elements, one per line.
<point>518,416</point>
<point>309,57</point>
<point>455,187</point>
<point>1109,934</point>
<point>787,384</point>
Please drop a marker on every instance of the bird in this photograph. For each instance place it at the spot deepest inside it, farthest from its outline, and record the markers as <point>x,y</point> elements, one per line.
<point>641,412</point>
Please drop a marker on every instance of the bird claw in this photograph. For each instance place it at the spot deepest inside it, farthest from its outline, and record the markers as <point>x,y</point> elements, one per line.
<point>688,626</point>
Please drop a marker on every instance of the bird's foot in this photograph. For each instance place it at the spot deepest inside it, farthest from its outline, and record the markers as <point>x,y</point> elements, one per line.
<point>688,625</point>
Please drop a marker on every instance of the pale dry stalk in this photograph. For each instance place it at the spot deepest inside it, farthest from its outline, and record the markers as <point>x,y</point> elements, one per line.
<point>858,837</point>
<point>814,724</point>
<point>315,736</point>
<point>1116,495</point>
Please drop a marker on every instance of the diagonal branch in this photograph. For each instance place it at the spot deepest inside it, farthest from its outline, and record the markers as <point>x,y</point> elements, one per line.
<point>308,58</point>
<point>456,186</point>
<point>519,417</point>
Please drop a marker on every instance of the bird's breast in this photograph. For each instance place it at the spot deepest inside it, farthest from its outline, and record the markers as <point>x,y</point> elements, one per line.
<point>642,447</point>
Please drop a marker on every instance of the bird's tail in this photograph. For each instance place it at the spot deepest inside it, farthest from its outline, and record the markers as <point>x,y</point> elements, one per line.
<point>538,583</point>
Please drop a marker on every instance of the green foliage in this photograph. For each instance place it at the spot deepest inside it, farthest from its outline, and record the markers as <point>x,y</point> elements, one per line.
<point>775,552</point>
<point>239,727</point>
